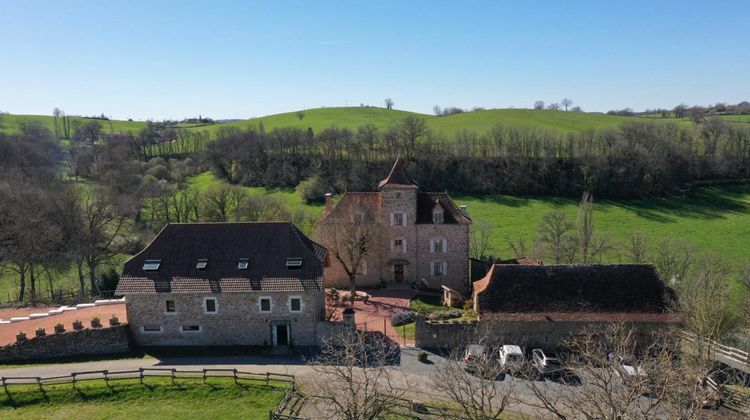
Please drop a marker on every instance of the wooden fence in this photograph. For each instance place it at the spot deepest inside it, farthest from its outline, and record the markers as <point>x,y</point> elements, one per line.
<point>142,373</point>
<point>730,356</point>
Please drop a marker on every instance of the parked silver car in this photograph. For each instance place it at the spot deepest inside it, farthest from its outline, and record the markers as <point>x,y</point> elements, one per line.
<point>510,358</point>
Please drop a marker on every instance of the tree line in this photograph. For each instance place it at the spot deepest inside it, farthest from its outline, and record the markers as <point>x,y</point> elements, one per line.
<point>634,160</point>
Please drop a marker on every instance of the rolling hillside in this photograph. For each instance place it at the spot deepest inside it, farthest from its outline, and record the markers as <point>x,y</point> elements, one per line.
<point>353,117</point>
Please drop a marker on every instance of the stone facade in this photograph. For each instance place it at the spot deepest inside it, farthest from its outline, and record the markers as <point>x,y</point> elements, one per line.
<point>238,319</point>
<point>548,335</point>
<point>413,247</point>
<point>88,342</point>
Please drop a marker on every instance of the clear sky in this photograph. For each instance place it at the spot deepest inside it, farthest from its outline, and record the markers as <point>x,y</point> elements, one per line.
<point>159,59</point>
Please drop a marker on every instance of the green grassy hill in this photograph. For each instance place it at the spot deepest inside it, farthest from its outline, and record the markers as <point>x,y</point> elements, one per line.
<point>11,123</point>
<point>352,117</point>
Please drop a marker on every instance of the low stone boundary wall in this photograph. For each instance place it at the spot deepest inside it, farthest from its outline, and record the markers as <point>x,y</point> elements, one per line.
<point>443,334</point>
<point>88,342</point>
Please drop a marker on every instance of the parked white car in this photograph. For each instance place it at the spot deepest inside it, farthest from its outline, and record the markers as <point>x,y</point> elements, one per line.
<point>510,357</point>
<point>545,364</point>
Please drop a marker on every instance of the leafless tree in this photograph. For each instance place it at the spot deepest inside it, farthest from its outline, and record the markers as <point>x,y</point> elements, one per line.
<point>351,233</point>
<point>554,106</point>
<point>637,247</point>
<point>477,395</point>
<point>410,130</point>
<point>388,103</point>
<point>519,247</point>
<point>352,377</point>
<point>591,244</point>
<point>539,105</point>
<point>220,200</point>
<point>566,102</point>
<point>480,232</point>
<point>556,233</point>
<point>301,115</point>
<point>673,259</point>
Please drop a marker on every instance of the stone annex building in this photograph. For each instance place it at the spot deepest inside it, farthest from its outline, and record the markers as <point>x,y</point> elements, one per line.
<point>424,236</point>
<point>225,284</point>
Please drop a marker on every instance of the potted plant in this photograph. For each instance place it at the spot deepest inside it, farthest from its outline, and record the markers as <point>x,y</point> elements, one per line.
<point>96,322</point>
<point>40,332</point>
<point>422,357</point>
<point>77,325</point>
<point>21,336</point>
<point>114,321</point>
<point>59,328</point>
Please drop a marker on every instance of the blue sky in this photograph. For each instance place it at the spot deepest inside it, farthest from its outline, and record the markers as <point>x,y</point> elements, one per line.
<point>159,59</point>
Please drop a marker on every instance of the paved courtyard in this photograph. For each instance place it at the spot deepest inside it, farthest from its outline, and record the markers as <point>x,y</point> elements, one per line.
<point>375,315</point>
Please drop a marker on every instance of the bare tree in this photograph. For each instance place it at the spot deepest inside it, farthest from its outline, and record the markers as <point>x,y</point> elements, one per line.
<point>554,106</point>
<point>410,130</point>
<point>519,247</point>
<point>637,247</point>
<point>539,105</point>
<point>556,233</point>
<point>591,245</point>
<point>301,115</point>
<point>566,102</point>
<point>477,395</point>
<point>673,259</point>
<point>352,377</point>
<point>388,103</point>
<point>220,200</point>
<point>351,233</point>
<point>479,239</point>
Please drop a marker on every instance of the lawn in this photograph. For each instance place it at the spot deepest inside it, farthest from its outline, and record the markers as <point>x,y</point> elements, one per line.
<point>156,399</point>
<point>711,219</point>
<point>10,123</point>
<point>427,304</point>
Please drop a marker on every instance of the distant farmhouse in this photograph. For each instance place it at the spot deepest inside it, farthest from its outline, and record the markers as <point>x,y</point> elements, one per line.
<point>424,236</point>
<point>225,284</point>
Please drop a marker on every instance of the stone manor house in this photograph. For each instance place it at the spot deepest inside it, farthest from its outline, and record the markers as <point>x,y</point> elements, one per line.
<point>424,237</point>
<point>225,284</point>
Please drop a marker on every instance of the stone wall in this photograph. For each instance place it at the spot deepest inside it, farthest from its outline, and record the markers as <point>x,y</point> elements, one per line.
<point>456,255</point>
<point>88,342</point>
<point>527,334</point>
<point>238,320</point>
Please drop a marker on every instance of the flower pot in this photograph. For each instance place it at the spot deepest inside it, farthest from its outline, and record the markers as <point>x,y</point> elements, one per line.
<point>40,332</point>
<point>20,337</point>
<point>96,323</point>
<point>59,329</point>
<point>114,321</point>
<point>77,325</point>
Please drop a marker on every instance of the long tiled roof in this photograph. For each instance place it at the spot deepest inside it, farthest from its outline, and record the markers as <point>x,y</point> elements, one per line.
<point>144,286</point>
<point>626,288</point>
<point>266,246</point>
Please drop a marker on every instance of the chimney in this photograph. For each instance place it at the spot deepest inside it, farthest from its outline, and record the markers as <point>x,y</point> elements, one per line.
<point>464,210</point>
<point>329,201</point>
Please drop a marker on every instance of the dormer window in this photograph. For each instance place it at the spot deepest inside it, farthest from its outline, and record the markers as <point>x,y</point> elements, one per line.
<point>202,264</point>
<point>151,265</point>
<point>438,217</point>
<point>243,264</point>
<point>294,263</point>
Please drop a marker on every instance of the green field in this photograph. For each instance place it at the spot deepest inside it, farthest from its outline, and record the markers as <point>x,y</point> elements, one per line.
<point>10,123</point>
<point>156,399</point>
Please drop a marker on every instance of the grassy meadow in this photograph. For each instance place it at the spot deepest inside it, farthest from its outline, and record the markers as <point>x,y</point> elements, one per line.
<point>156,399</point>
<point>10,123</point>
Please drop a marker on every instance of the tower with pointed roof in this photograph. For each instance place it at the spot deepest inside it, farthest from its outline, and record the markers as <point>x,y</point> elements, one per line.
<point>425,237</point>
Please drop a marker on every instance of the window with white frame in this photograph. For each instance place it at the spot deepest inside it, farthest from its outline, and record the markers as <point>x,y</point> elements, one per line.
<point>191,328</point>
<point>398,219</point>
<point>264,304</point>
<point>438,245</point>
<point>295,304</point>
<point>210,305</point>
<point>438,217</point>
<point>362,269</point>
<point>152,328</point>
<point>439,268</point>
<point>398,246</point>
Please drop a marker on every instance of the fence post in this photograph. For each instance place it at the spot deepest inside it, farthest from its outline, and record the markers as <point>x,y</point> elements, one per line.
<point>235,375</point>
<point>5,385</point>
<point>39,382</point>
<point>106,377</point>
<point>204,376</point>
<point>140,374</point>
<point>267,378</point>
<point>73,375</point>
<point>173,376</point>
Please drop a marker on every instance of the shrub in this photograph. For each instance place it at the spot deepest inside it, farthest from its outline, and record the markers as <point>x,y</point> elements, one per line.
<point>40,332</point>
<point>422,357</point>
<point>59,328</point>
<point>403,318</point>
<point>21,336</point>
<point>313,189</point>
<point>449,314</point>
<point>108,280</point>
<point>96,322</point>
<point>77,324</point>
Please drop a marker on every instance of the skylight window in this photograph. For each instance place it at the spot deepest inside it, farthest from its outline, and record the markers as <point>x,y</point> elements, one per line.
<point>243,264</point>
<point>293,263</point>
<point>202,263</point>
<point>151,265</point>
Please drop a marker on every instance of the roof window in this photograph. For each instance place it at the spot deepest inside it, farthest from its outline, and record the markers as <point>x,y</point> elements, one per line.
<point>151,265</point>
<point>243,264</point>
<point>294,263</point>
<point>202,264</point>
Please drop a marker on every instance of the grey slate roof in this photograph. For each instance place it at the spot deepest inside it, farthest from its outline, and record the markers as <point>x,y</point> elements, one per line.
<point>266,245</point>
<point>628,288</point>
